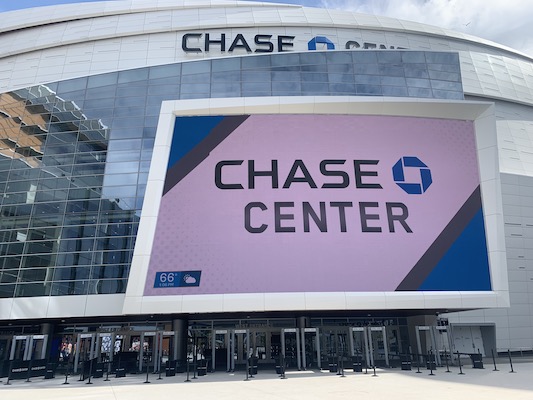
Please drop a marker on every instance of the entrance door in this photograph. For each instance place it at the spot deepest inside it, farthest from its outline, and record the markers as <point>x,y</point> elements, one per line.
<point>147,351</point>
<point>290,347</point>
<point>19,348</point>
<point>240,348</point>
<point>379,349</point>
<point>467,339</point>
<point>85,349</point>
<point>220,355</point>
<point>310,348</point>
<point>359,345</point>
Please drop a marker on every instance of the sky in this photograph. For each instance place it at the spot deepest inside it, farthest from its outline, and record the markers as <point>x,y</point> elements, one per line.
<point>503,21</point>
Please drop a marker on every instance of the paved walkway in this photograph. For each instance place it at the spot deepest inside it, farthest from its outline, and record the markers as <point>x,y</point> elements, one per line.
<point>390,384</point>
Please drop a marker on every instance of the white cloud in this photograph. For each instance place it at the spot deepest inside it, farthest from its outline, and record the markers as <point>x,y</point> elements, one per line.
<point>507,22</point>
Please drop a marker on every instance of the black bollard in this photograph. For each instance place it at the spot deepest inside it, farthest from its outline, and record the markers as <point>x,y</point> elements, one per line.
<point>283,367</point>
<point>187,380</point>
<point>494,360</point>
<point>446,358</point>
<point>342,367</point>
<point>460,366</point>
<point>9,373</point>
<point>107,372</point>
<point>82,371</point>
<point>29,372</point>
<point>430,362</point>
<point>418,363</point>
<point>147,371</point>
<point>512,371</point>
<point>66,375</point>
<point>90,372</point>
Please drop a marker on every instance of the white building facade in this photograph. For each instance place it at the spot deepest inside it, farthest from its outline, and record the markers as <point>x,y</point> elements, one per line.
<point>93,98</point>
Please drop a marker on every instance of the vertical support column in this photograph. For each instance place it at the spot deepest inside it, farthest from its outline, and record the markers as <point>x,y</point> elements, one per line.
<point>352,344</point>
<point>298,350</point>
<point>232,352</point>
<point>433,332</point>
<point>181,327</point>
<point>385,345</point>
<point>229,355</point>
<point>319,361</point>
<point>369,346</point>
<point>47,329</point>
<point>213,344</point>
<point>304,357</point>
<point>282,342</point>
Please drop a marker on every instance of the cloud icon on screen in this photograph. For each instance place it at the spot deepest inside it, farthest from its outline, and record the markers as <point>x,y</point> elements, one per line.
<point>190,280</point>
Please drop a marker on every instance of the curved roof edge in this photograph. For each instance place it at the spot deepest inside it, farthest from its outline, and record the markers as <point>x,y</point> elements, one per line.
<point>39,16</point>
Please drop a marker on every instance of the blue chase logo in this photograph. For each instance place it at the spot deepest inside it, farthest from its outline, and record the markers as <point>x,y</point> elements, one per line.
<point>324,41</point>
<point>398,173</point>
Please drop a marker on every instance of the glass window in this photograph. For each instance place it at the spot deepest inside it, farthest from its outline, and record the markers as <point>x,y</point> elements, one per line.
<point>122,167</point>
<point>32,290</point>
<point>102,80</point>
<point>226,64</point>
<point>255,62</point>
<point>256,76</point>
<point>342,88</point>
<point>134,75</point>
<point>69,288</point>
<point>131,91</point>
<point>312,58</point>
<point>165,71</point>
<point>72,85</point>
<point>7,291</point>
<point>368,90</point>
<point>196,68</point>
<point>339,57</point>
<point>104,92</point>
<point>413,57</point>
<point>389,57</point>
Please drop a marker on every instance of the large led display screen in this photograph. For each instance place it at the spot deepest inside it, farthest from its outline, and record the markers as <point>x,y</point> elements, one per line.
<point>319,203</point>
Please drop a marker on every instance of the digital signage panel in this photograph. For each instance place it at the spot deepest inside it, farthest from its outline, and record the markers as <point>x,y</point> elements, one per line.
<point>319,203</point>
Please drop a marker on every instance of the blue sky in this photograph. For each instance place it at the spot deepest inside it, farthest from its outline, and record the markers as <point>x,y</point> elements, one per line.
<point>507,22</point>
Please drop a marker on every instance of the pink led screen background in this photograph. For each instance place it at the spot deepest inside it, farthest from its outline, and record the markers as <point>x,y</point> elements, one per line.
<point>201,226</point>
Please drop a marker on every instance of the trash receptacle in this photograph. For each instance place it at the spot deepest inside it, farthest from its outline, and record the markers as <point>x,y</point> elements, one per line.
<point>252,366</point>
<point>406,362</point>
<point>357,363</point>
<point>332,363</point>
<point>201,368</point>
<point>170,368</point>
<point>477,361</point>
<point>50,371</point>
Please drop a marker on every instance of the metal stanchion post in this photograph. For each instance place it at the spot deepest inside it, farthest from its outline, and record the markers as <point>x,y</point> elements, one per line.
<point>66,375</point>
<point>374,366</point>
<point>147,370</point>
<point>29,372</point>
<point>187,380</point>
<point>90,372</point>
<point>342,367</point>
<point>418,363</point>
<point>246,368</point>
<point>107,373</point>
<point>446,358</point>
<point>494,360</point>
<point>512,371</point>
<point>283,367</point>
<point>159,369</point>
<point>9,373</point>
<point>82,372</point>
<point>430,362</point>
<point>460,366</point>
